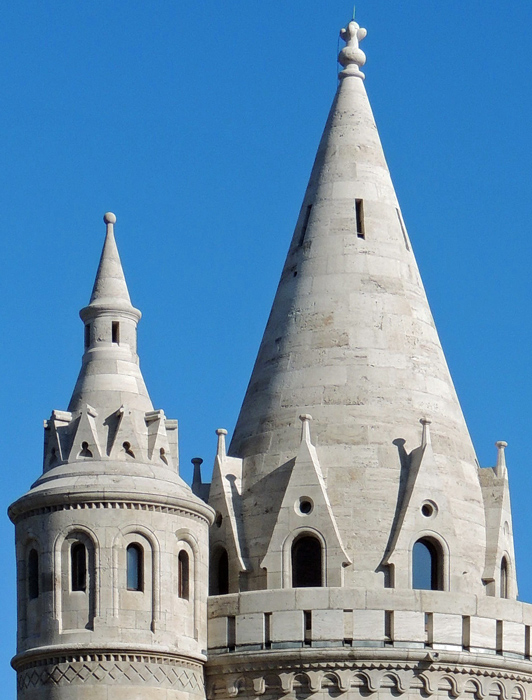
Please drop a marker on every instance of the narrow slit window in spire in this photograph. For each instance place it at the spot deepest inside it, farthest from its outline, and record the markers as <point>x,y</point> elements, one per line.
<point>115,332</point>
<point>87,335</point>
<point>305,225</point>
<point>359,216</point>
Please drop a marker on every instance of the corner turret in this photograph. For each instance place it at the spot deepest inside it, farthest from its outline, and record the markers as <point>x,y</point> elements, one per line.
<point>111,542</point>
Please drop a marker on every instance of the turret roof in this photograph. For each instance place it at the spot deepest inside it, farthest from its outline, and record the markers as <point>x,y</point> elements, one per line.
<point>351,340</point>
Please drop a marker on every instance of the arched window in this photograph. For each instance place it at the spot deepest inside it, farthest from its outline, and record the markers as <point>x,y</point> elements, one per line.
<point>306,562</point>
<point>33,574</point>
<point>219,574</point>
<point>78,567</point>
<point>427,565</point>
<point>183,571</point>
<point>504,578</point>
<point>135,566</point>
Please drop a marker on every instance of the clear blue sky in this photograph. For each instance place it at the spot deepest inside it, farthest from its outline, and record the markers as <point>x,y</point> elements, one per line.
<point>197,124</point>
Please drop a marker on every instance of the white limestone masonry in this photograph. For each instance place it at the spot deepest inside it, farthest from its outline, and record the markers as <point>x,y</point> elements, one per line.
<point>349,543</point>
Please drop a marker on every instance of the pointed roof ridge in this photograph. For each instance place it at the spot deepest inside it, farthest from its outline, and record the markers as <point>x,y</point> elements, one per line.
<point>110,288</point>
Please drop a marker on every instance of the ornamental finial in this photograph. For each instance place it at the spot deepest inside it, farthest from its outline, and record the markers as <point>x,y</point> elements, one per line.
<point>351,56</point>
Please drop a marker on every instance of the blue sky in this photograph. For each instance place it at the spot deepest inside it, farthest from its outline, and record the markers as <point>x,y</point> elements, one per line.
<point>197,124</point>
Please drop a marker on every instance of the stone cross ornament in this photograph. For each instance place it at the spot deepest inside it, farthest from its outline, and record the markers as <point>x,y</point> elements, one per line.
<point>351,57</point>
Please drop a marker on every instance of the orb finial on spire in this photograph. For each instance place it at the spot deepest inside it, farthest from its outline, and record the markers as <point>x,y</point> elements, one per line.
<point>109,218</point>
<point>352,57</point>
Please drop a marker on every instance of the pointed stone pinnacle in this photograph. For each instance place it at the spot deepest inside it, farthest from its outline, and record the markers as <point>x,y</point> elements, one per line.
<point>425,438</point>
<point>305,419</point>
<point>501,445</point>
<point>221,451</point>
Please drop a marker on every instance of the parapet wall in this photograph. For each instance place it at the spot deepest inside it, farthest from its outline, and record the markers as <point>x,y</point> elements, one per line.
<point>351,643</point>
<point>337,617</point>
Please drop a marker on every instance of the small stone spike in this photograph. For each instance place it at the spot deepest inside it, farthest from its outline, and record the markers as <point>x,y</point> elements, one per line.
<point>425,438</point>
<point>221,451</point>
<point>501,457</point>
<point>305,419</point>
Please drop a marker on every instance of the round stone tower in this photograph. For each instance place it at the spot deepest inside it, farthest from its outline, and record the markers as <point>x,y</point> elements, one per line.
<point>111,542</point>
<point>358,549</point>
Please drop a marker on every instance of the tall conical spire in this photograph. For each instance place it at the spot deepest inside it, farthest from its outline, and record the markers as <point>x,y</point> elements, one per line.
<point>351,340</point>
<point>110,374</point>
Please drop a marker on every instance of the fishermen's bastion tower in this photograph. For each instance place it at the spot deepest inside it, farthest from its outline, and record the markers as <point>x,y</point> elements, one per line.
<point>356,548</point>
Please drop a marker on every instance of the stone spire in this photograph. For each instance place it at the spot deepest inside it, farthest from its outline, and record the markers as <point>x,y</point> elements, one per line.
<point>110,288</point>
<point>110,374</point>
<point>351,340</point>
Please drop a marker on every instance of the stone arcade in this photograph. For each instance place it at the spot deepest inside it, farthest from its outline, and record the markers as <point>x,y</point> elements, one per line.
<point>356,547</point>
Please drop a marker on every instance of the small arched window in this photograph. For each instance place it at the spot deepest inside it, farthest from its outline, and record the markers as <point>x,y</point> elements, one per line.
<point>183,572</point>
<point>33,574</point>
<point>135,566</point>
<point>427,565</point>
<point>504,578</point>
<point>306,562</point>
<point>219,574</point>
<point>78,566</point>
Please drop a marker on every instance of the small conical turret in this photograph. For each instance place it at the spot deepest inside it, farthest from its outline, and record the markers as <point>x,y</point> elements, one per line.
<point>110,374</point>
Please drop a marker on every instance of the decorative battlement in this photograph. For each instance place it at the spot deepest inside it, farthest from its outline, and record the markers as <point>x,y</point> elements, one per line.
<point>114,437</point>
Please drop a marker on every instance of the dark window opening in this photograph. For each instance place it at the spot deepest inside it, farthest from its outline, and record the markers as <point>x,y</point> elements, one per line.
<point>359,216</point>
<point>231,632</point>
<point>305,225</point>
<point>427,573</point>
<point>135,566</point>
<point>85,451</point>
<point>388,626</point>
<point>267,630</point>
<point>78,567</point>
<point>115,332</point>
<point>306,562</point>
<point>33,574</point>
<point>504,578</point>
<point>183,574</point>
<point>87,335</point>
<point>308,627</point>
<point>127,449</point>
<point>219,578</point>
